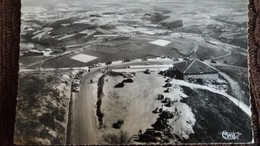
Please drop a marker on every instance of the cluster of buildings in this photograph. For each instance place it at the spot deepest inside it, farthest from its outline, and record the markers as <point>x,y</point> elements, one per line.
<point>34,52</point>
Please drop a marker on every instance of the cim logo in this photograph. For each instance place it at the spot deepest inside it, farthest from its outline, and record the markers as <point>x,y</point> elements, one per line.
<point>230,135</point>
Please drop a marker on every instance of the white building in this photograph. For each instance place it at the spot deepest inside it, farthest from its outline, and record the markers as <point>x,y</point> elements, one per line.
<point>196,69</point>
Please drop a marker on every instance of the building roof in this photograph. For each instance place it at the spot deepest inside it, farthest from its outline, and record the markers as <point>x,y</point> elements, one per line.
<point>195,67</point>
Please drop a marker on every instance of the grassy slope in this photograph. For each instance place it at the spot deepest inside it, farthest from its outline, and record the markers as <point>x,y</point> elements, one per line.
<point>241,76</point>
<point>42,110</point>
<point>215,113</point>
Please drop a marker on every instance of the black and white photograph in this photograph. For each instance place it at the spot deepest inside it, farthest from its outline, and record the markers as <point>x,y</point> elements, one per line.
<point>133,72</point>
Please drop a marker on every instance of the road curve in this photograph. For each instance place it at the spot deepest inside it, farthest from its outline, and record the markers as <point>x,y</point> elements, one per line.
<point>84,124</point>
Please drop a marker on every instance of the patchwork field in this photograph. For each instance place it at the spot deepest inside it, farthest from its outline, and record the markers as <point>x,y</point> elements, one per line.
<point>137,47</point>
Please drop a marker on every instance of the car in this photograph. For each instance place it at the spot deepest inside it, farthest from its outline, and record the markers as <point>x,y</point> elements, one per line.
<point>120,85</point>
<point>128,81</point>
<point>213,61</point>
<point>75,89</point>
<point>76,82</point>
<point>128,75</point>
<point>80,72</point>
<point>96,65</point>
<point>77,76</point>
<point>127,60</point>
<point>163,57</point>
<point>147,71</point>
<point>91,66</point>
<point>153,132</point>
<point>186,58</point>
<point>151,135</point>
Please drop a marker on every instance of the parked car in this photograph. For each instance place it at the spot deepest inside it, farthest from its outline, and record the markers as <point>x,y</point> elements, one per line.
<point>151,135</point>
<point>120,85</point>
<point>76,82</point>
<point>75,89</point>
<point>128,81</point>
<point>147,71</point>
<point>186,58</point>
<point>213,61</point>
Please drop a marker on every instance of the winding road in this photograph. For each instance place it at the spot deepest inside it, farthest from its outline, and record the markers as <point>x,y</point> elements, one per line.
<point>83,124</point>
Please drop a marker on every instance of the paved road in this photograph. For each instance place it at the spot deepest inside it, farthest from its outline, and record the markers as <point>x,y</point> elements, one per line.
<point>83,125</point>
<point>227,65</point>
<point>229,52</point>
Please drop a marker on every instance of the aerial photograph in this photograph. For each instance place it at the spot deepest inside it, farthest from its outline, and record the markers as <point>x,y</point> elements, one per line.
<point>133,72</point>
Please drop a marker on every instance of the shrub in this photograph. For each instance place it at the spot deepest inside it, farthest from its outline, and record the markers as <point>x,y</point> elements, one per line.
<point>47,119</point>
<point>118,124</point>
<point>122,137</point>
<point>57,140</point>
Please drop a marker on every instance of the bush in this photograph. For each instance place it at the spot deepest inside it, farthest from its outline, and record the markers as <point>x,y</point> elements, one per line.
<point>49,79</point>
<point>118,124</point>
<point>57,140</point>
<point>47,119</point>
<point>119,85</point>
<point>122,137</point>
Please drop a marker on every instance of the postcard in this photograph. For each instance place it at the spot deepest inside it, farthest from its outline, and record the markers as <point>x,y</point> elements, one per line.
<point>133,72</point>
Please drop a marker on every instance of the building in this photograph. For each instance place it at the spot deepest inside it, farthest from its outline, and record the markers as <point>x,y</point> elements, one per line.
<point>194,69</point>
<point>33,52</point>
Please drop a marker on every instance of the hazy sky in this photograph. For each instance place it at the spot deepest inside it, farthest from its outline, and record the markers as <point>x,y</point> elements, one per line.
<point>240,5</point>
<point>48,2</point>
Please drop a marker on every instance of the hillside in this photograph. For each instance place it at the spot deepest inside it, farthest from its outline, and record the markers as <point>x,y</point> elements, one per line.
<point>42,111</point>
